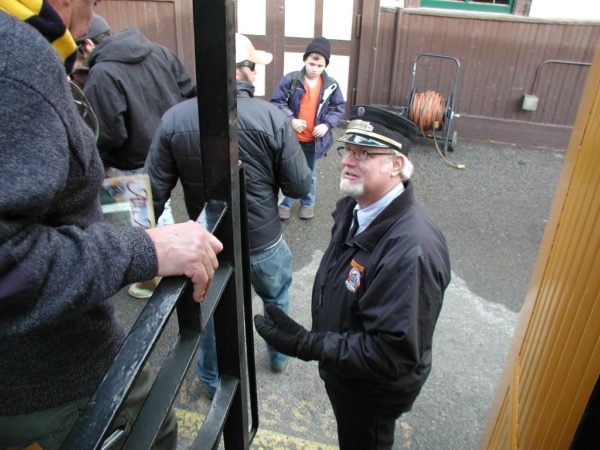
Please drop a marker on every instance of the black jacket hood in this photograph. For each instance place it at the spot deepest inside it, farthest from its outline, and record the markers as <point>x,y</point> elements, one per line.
<point>131,48</point>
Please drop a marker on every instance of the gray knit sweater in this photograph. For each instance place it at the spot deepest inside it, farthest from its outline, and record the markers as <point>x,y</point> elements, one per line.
<point>59,264</point>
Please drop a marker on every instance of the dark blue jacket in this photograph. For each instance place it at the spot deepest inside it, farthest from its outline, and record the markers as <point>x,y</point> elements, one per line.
<point>331,105</point>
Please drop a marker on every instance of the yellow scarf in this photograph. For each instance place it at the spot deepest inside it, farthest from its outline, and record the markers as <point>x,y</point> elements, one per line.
<point>40,15</point>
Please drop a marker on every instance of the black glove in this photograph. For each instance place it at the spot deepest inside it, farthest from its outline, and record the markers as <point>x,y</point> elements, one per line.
<point>287,336</point>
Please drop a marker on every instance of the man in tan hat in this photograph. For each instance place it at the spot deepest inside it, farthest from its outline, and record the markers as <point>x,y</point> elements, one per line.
<point>272,159</point>
<point>378,291</point>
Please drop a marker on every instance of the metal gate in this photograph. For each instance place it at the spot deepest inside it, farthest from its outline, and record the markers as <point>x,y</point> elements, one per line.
<point>229,298</point>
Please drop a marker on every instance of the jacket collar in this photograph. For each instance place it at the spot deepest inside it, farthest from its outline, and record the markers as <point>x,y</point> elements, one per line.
<point>370,237</point>
<point>244,89</point>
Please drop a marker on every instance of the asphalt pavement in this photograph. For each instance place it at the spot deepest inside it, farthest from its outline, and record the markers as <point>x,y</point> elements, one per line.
<point>493,215</point>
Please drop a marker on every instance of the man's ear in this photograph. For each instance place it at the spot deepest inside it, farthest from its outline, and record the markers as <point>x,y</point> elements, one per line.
<point>63,9</point>
<point>397,165</point>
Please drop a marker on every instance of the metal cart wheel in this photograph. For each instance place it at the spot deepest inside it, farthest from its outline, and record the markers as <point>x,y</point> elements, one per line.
<point>453,142</point>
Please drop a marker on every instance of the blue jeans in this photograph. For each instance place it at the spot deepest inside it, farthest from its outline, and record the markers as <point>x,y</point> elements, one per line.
<point>271,277</point>
<point>309,199</point>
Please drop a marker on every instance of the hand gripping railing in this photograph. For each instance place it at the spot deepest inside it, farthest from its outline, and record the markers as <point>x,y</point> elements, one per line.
<point>90,431</point>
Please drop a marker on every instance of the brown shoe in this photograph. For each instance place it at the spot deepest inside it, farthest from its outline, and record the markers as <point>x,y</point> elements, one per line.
<point>284,213</point>
<point>307,212</point>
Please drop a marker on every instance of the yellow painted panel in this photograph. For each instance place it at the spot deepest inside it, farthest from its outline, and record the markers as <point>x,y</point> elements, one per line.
<point>570,266</point>
<point>581,395</point>
<point>502,433</point>
<point>554,360</point>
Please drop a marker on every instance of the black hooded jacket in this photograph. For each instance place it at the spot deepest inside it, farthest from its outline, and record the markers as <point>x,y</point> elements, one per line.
<point>132,82</point>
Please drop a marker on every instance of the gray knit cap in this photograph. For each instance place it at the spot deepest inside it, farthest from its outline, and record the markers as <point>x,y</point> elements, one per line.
<point>97,26</point>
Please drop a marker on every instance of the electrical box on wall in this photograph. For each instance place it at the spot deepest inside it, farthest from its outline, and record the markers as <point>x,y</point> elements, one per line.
<point>530,103</point>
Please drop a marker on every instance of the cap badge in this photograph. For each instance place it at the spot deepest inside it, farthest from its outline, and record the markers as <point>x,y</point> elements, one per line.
<point>358,124</point>
<point>360,111</point>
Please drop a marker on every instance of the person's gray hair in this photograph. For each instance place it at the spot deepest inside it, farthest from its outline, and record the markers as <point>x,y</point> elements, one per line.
<point>407,169</point>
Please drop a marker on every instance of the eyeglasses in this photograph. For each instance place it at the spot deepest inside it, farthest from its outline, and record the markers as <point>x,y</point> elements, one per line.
<point>249,64</point>
<point>363,155</point>
<point>84,108</point>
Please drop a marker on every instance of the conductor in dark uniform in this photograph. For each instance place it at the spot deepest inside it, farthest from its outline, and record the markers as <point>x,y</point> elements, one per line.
<point>379,288</point>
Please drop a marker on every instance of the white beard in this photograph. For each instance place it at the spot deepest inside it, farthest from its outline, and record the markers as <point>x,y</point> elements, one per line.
<point>354,190</point>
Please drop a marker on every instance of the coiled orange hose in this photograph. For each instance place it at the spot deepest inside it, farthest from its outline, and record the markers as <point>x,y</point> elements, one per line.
<point>426,109</point>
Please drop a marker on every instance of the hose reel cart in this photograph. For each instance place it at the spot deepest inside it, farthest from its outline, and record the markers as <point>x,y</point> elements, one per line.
<point>431,111</point>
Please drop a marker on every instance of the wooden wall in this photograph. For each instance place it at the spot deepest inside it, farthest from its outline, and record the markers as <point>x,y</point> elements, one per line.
<point>499,56</point>
<point>168,22</point>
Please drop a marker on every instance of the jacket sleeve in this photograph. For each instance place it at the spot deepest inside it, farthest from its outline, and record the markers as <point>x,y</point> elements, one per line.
<point>186,88</point>
<point>51,266</point>
<point>398,311</point>
<point>335,109</point>
<point>280,96</point>
<point>161,166</point>
<point>109,101</point>
<point>293,173</point>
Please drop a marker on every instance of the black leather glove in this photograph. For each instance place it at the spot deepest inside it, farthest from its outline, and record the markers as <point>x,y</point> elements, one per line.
<point>287,336</point>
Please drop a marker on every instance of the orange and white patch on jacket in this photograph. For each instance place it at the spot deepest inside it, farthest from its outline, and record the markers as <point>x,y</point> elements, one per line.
<point>354,276</point>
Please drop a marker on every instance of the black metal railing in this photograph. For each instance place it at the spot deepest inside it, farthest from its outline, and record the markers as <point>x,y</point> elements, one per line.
<point>173,293</point>
<point>229,297</point>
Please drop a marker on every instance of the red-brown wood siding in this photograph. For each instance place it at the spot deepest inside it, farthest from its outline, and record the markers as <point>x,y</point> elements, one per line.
<point>499,57</point>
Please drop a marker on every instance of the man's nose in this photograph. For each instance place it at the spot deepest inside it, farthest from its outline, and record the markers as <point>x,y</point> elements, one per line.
<point>348,159</point>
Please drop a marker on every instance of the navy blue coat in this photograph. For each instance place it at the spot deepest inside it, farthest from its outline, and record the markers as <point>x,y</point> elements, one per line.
<point>331,106</point>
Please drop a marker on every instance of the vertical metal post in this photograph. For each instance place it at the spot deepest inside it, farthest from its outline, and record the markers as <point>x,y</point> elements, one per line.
<point>215,74</point>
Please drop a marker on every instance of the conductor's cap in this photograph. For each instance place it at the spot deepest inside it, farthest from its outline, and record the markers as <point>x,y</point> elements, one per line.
<point>371,126</point>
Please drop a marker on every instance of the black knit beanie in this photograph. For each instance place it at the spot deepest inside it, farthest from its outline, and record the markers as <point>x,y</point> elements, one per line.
<point>321,46</point>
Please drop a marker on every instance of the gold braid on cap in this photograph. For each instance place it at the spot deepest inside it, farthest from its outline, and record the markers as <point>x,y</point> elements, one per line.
<point>365,128</point>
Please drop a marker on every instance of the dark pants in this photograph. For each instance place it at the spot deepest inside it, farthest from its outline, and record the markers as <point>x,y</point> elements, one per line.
<point>49,428</point>
<point>362,426</point>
